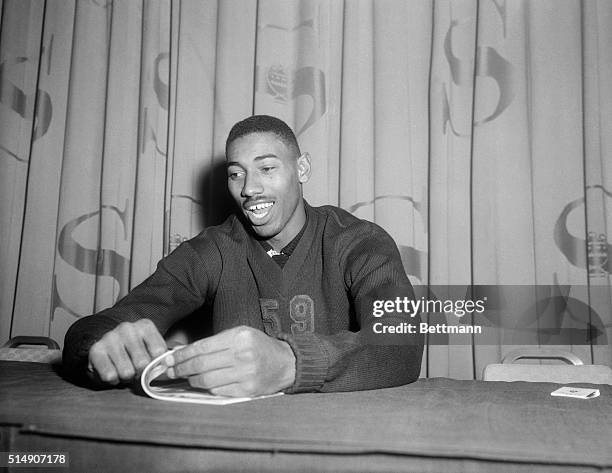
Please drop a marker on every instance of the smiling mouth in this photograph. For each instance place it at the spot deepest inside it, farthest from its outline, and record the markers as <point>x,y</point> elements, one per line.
<point>259,211</point>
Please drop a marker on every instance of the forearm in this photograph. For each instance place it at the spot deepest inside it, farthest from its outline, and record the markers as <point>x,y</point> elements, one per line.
<point>347,362</point>
<point>172,292</point>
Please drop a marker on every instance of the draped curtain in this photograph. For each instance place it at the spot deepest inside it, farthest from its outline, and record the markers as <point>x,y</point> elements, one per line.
<point>478,133</point>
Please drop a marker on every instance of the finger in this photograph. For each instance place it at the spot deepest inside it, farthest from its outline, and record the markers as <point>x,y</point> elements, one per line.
<point>102,366</point>
<point>154,342</point>
<point>131,337</point>
<point>181,355</point>
<point>119,356</point>
<point>213,379</point>
<point>174,343</point>
<point>203,363</point>
<point>138,353</point>
<point>219,342</point>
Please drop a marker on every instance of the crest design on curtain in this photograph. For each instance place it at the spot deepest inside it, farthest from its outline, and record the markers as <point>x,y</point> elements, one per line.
<point>555,308</point>
<point>285,85</point>
<point>489,63</point>
<point>592,254</point>
<point>58,303</point>
<point>415,261</point>
<point>23,104</point>
<point>162,93</point>
<point>148,134</point>
<point>306,23</point>
<point>162,89</point>
<point>97,262</point>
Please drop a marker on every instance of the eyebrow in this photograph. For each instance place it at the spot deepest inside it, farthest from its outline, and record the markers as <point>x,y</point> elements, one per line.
<point>257,158</point>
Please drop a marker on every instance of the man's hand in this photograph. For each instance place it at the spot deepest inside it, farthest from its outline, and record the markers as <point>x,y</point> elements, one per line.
<point>241,361</point>
<point>125,351</point>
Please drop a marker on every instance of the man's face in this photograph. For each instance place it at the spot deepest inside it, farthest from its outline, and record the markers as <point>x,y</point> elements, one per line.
<point>264,178</point>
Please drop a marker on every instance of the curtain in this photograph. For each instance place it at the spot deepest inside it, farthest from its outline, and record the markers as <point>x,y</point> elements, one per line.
<point>478,133</point>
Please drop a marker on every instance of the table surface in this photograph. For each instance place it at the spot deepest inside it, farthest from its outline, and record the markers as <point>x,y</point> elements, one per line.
<point>438,418</point>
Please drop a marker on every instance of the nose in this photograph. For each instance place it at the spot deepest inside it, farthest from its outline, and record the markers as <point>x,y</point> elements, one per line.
<point>252,185</point>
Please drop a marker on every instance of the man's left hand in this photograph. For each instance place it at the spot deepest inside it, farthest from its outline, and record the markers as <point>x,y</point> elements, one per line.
<point>238,362</point>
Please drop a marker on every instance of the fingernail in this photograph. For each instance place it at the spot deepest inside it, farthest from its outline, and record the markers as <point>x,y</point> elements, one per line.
<point>170,373</point>
<point>169,360</point>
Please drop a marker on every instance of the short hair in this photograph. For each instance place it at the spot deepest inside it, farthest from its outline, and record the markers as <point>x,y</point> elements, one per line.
<point>263,124</point>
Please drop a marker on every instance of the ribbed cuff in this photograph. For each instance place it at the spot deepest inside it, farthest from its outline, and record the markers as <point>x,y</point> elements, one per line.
<point>310,362</point>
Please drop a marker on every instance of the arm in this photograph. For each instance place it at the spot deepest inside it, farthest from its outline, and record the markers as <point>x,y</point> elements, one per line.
<point>347,360</point>
<point>180,284</point>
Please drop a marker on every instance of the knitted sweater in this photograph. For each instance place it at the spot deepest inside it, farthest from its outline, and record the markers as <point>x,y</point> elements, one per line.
<point>315,302</point>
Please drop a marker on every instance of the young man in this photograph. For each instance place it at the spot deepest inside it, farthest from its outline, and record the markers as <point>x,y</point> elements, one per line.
<point>288,285</point>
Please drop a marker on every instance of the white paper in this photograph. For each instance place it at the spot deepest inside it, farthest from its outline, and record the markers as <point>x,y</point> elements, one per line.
<point>179,390</point>
<point>579,393</point>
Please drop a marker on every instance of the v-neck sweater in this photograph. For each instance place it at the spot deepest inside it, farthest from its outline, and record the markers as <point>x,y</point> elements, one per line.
<point>317,302</point>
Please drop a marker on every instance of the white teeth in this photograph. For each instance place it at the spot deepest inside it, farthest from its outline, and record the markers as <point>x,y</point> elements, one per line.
<point>261,206</point>
<point>259,211</point>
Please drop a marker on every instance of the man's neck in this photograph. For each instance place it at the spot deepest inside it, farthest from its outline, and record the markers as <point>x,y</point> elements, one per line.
<point>281,240</point>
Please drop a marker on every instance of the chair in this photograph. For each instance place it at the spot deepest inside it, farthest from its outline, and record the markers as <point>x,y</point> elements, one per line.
<point>31,349</point>
<point>575,371</point>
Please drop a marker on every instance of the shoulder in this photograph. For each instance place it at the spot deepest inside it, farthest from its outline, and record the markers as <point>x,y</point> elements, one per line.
<point>344,226</point>
<point>208,246</point>
<point>366,254</point>
<point>354,242</point>
<point>226,234</point>
<point>201,257</point>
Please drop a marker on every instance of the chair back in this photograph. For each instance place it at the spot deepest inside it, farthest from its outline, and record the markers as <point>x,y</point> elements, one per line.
<point>32,349</point>
<point>574,371</point>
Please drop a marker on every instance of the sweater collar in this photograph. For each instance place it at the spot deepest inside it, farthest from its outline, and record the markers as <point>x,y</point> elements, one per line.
<point>282,278</point>
<point>290,247</point>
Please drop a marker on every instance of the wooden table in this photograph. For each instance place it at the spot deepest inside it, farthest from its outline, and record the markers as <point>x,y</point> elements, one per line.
<point>431,425</point>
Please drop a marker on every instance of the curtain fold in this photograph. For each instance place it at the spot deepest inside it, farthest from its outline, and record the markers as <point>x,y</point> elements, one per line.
<point>476,132</point>
<point>20,55</point>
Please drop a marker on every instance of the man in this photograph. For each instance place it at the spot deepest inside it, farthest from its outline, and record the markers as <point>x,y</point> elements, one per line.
<point>288,285</point>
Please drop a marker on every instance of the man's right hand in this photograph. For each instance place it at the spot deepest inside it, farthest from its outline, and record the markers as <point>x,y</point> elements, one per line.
<point>125,351</point>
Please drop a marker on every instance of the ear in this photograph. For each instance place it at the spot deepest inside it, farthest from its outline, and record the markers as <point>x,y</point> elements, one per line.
<point>303,167</point>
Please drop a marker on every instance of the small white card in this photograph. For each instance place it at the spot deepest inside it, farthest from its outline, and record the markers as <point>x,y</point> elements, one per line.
<point>580,393</point>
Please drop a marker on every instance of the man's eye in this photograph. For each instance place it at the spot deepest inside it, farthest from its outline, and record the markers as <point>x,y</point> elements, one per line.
<point>234,175</point>
<point>267,169</point>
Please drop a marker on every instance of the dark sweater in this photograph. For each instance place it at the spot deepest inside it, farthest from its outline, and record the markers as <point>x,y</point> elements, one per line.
<point>314,302</point>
